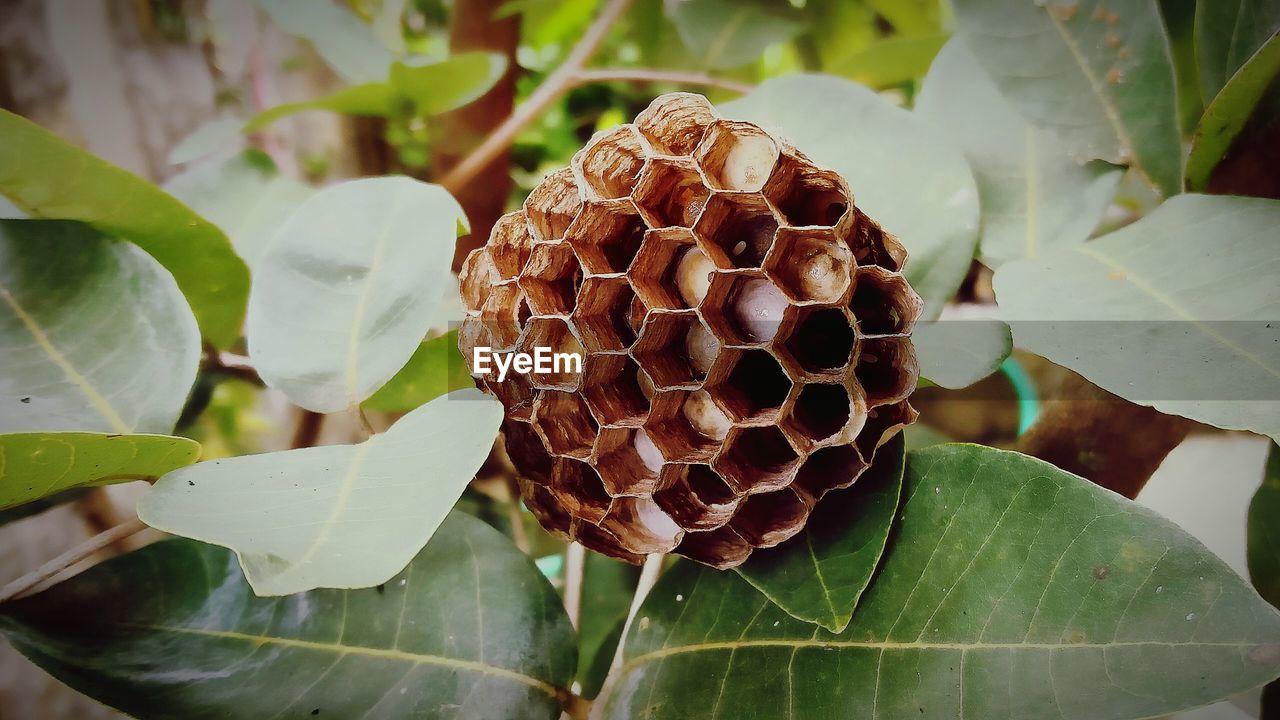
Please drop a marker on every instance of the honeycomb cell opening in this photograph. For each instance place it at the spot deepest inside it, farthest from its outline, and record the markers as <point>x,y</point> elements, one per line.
<point>477,275</point>
<point>829,468</point>
<point>705,416</point>
<point>887,369</point>
<point>628,461</point>
<point>502,314</point>
<point>808,196</point>
<point>823,340</point>
<point>754,388</point>
<point>606,236</point>
<point>641,526</point>
<point>654,270</point>
<point>551,279</point>
<point>611,162</point>
<point>737,156</point>
<point>510,244</point>
<point>768,519</point>
<point>565,424</point>
<point>603,542</point>
<point>721,548</point>
<point>737,230</point>
<point>674,123</point>
<point>811,265</point>
<point>696,496</point>
<point>553,205</point>
<point>675,349</point>
<point>883,302</point>
<point>553,333</point>
<point>546,508</point>
<point>603,315</point>
<point>671,430</point>
<point>882,424</point>
<point>580,491</point>
<point>671,193</point>
<point>613,387</point>
<point>516,393</point>
<point>527,453</point>
<point>873,246</point>
<point>758,459</point>
<point>744,309</point>
<point>821,411</point>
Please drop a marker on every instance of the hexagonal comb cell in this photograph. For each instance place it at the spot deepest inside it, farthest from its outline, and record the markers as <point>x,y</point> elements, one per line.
<point>737,156</point>
<point>887,369</point>
<point>505,313</point>
<point>552,338</point>
<point>472,333</point>
<point>641,526</point>
<point>603,316</point>
<point>675,434</point>
<point>883,302</point>
<point>823,414</point>
<point>516,394</point>
<point>829,468</point>
<point>552,205</point>
<point>770,518</point>
<point>527,453</point>
<point>674,123</point>
<point>810,265</point>
<point>610,163</point>
<point>603,542</point>
<point>628,461</point>
<point>822,341</point>
<point>721,548</point>
<point>695,496</point>
<point>807,195</point>
<point>757,459</point>
<point>882,424</point>
<point>749,384</point>
<point>546,508</point>
<point>612,387</point>
<point>565,424</point>
<point>477,275</point>
<point>606,236</point>
<point>737,230</point>
<point>744,308</point>
<point>579,490</point>
<point>666,271</point>
<point>510,244</point>
<point>670,193</point>
<point>551,279</point>
<point>873,246</point>
<point>676,349</point>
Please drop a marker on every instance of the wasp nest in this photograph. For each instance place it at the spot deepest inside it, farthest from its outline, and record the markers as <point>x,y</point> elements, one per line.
<point>744,331</point>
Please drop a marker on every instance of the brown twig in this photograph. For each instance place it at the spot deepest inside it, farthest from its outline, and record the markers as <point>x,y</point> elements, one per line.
<point>308,429</point>
<point>98,542</point>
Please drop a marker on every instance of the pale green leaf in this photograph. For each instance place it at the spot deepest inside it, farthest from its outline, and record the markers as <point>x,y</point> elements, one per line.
<point>94,334</point>
<point>1100,75</point>
<point>958,353</point>
<point>373,99</point>
<point>1228,34</point>
<point>344,516</point>
<point>244,195</point>
<point>1226,116</point>
<point>37,465</point>
<point>346,42</point>
<point>729,33</point>
<point>1034,195</point>
<point>48,177</point>
<point>207,139</point>
<point>1264,531</point>
<point>1176,311</point>
<point>438,87</point>
<point>818,575</point>
<point>903,173</point>
<point>892,60</point>
<point>1010,589</point>
<point>172,632</point>
<point>345,291</point>
<point>435,368</point>
<point>910,16</point>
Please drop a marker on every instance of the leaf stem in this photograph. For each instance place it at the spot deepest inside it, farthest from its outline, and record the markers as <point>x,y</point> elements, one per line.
<point>648,578</point>
<point>575,560</point>
<point>308,429</point>
<point>104,539</point>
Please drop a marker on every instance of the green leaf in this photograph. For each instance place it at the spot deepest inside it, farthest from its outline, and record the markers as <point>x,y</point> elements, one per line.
<point>730,33</point>
<point>244,195</point>
<point>1099,75</point>
<point>1160,316</point>
<point>375,99</point>
<point>48,177</point>
<point>607,588</point>
<point>1229,33</point>
<point>1010,589</point>
<point>94,333</point>
<point>470,629</point>
<point>1264,531</point>
<point>439,87</point>
<point>435,368</point>
<point>204,141</point>
<point>1230,110</point>
<point>903,172</point>
<point>37,465</point>
<point>345,291</point>
<point>819,575</point>
<point>345,41</point>
<point>344,516</point>
<point>892,60</point>
<point>1034,195</point>
<point>958,353</point>
<point>910,16</point>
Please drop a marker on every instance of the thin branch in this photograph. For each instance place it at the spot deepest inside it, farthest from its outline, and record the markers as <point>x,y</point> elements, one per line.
<point>102,540</point>
<point>575,560</point>
<point>547,93</point>
<point>363,420</point>
<point>227,363</point>
<point>643,75</point>
<point>308,430</point>
<point>648,578</point>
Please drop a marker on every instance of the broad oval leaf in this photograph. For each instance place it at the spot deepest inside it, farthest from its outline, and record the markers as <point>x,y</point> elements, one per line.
<point>729,33</point>
<point>1228,33</point>
<point>345,41</point>
<point>438,87</point>
<point>340,516</point>
<point>95,335</point>
<point>470,629</point>
<point>1099,75</point>
<point>37,465</point>
<point>372,99</point>
<point>1176,311</point>
<point>957,353</point>
<point>1263,548</point>
<point>49,177</point>
<point>345,291</point>
<point>903,173</point>
<point>819,575</point>
<point>435,368</point>
<point>1010,589</point>
<point>1034,195</point>
<point>1230,110</point>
